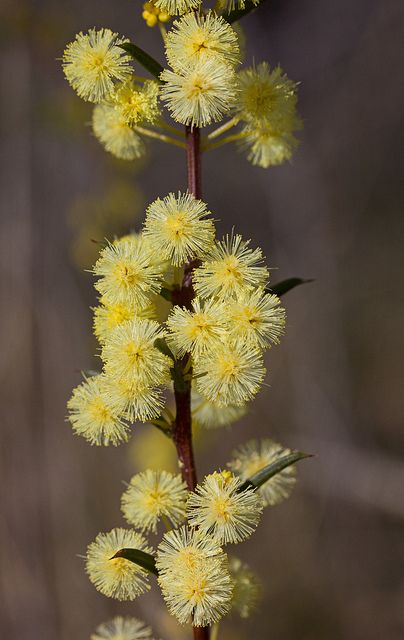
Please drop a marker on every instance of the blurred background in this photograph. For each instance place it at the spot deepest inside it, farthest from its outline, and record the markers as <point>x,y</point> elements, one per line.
<point>332,556</point>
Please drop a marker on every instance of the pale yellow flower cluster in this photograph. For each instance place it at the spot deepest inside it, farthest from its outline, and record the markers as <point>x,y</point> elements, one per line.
<point>200,86</point>
<point>120,628</point>
<point>223,332</point>
<point>209,340</point>
<point>99,69</point>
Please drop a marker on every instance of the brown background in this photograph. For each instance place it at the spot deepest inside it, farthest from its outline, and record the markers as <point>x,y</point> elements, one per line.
<point>332,556</point>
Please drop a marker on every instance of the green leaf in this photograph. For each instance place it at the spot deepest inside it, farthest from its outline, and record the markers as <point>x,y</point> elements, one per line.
<point>143,58</point>
<point>166,293</point>
<point>235,15</point>
<point>144,560</point>
<point>280,288</point>
<point>176,372</point>
<point>268,472</point>
<point>163,347</point>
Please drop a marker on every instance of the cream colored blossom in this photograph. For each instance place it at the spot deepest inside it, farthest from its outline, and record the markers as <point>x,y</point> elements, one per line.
<point>152,495</point>
<point>117,577</point>
<point>230,268</point>
<point>96,416</point>
<point>197,37</point>
<point>200,94</point>
<point>198,329</point>
<point>253,456</point>
<point>194,577</point>
<point>116,136</point>
<point>177,229</point>
<point>120,628</point>
<point>219,509</point>
<point>93,61</point>
<point>229,374</point>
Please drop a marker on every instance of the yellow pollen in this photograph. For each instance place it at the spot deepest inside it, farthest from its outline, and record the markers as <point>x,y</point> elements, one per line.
<point>99,410</point>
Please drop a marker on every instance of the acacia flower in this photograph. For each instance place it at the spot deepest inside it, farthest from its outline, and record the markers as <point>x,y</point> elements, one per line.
<point>267,97</point>
<point>197,37</point>
<point>218,509</point>
<point>176,227</point>
<point>128,273</point>
<point>257,317</point>
<point>177,7</point>
<point>199,94</point>
<point>198,329</point>
<point>116,136</point>
<point>267,146</point>
<point>152,495</point>
<point>194,577</point>
<point>229,268</point>
<point>246,589</point>
<point>96,416</point>
<point>93,61</point>
<point>140,401</point>
<point>211,416</point>
<point>129,354</point>
<point>253,456</point>
<point>120,628</point>
<point>108,316</point>
<point>137,103</point>
<point>117,577</point>
<point>229,374</point>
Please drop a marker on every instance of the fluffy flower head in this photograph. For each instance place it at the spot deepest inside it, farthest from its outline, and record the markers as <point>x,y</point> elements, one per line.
<point>152,495</point>
<point>120,628</point>
<point>218,509</point>
<point>116,136</point>
<point>199,94</point>
<point>246,588</point>
<point>230,374</point>
<point>108,316</point>
<point>128,274</point>
<point>177,7</point>
<point>197,37</point>
<point>211,416</point>
<point>253,456</point>
<point>117,577</point>
<point>94,415</point>
<point>177,229</point>
<point>129,354</point>
<point>194,577</point>
<point>267,146</point>
<point>198,329</point>
<point>230,268</point>
<point>257,317</point>
<point>140,401</point>
<point>136,103</point>
<point>93,61</point>
<point>267,97</point>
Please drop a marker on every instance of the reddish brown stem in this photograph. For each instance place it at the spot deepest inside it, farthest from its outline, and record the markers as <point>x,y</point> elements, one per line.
<point>194,161</point>
<point>182,391</point>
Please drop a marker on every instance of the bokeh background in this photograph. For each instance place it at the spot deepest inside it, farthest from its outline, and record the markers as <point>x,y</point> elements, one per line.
<point>331,558</point>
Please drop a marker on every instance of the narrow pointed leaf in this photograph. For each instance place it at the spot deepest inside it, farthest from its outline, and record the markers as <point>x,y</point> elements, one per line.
<point>167,294</point>
<point>143,58</point>
<point>280,288</point>
<point>163,347</point>
<point>268,472</point>
<point>143,559</point>
<point>235,15</point>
